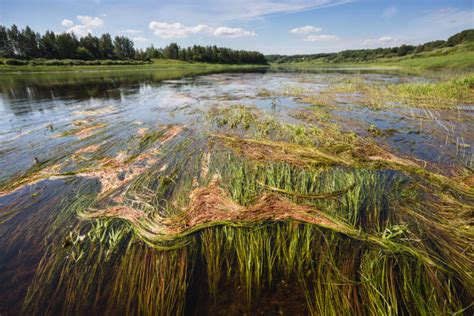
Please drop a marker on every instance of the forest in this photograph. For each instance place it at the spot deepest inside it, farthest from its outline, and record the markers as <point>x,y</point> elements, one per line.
<point>23,46</point>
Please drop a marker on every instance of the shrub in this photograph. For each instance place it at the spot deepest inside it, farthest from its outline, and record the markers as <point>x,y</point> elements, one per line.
<point>15,62</point>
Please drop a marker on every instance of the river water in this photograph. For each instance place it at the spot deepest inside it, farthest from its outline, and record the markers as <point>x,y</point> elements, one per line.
<point>49,117</point>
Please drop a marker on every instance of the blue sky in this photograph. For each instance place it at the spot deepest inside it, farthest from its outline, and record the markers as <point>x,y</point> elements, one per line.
<point>269,26</point>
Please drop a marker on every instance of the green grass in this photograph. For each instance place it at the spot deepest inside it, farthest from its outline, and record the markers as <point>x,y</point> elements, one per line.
<point>158,64</point>
<point>448,91</point>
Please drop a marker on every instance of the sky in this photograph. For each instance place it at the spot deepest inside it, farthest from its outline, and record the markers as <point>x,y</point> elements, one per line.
<point>268,26</point>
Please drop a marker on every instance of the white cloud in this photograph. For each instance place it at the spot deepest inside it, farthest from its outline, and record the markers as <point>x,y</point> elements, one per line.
<point>224,31</point>
<point>86,26</point>
<point>384,41</point>
<point>320,38</point>
<point>90,22</point>
<point>306,29</point>
<point>132,31</point>
<point>67,23</point>
<point>390,12</point>
<point>141,39</point>
<point>178,30</point>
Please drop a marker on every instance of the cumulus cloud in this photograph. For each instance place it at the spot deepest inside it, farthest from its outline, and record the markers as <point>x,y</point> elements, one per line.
<point>178,30</point>
<point>85,25</point>
<point>320,38</point>
<point>306,29</point>
<point>67,23</point>
<point>390,11</point>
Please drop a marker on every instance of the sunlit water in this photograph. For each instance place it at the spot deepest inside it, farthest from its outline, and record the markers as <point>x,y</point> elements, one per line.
<point>35,111</point>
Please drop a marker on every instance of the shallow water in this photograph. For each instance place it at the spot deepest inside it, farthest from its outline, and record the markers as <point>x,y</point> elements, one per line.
<point>34,113</point>
<point>43,120</point>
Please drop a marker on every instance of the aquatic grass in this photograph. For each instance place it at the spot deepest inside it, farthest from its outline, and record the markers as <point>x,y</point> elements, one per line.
<point>444,93</point>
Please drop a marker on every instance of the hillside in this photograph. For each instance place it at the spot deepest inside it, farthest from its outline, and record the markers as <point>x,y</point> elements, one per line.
<point>456,52</point>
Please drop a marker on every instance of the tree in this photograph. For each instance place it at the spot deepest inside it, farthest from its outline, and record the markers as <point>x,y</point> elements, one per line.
<point>28,44</point>
<point>91,44</point>
<point>464,36</point>
<point>67,45</point>
<point>5,48</point>
<point>123,47</point>
<point>152,52</point>
<point>171,51</point>
<point>48,46</point>
<point>83,53</point>
<point>106,46</point>
<point>13,38</point>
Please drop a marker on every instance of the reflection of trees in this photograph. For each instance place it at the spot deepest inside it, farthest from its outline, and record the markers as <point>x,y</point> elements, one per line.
<point>21,93</point>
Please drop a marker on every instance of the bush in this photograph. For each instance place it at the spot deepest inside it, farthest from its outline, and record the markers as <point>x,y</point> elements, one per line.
<point>15,62</point>
<point>92,62</point>
<point>37,62</point>
<point>107,62</point>
<point>73,62</point>
<point>54,62</point>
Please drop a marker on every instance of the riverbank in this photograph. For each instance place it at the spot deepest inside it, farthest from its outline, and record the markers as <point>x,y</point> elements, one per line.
<point>157,64</point>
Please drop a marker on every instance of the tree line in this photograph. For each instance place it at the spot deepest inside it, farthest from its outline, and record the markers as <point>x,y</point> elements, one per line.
<point>372,54</point>
<point>207,54</point>
<point>27,44</point>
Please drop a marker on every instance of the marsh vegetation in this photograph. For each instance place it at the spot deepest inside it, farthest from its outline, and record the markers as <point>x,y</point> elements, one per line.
<point>334,193</point>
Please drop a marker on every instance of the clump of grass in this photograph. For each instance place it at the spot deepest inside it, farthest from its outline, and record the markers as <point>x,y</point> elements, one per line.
<point>445,93</point>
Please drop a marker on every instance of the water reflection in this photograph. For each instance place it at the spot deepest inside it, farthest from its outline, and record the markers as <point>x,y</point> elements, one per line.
<point>21,93</point>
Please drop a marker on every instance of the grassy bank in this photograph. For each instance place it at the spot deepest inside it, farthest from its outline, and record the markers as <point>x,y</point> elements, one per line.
<point>459,58</point>
<point>157,64</point>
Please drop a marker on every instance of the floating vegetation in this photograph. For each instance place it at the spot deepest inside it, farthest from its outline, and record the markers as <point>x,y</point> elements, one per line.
<point>240,211</point>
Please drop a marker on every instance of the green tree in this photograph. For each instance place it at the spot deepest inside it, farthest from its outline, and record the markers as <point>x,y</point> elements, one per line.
<point>28,44</point>
<point>13,38</point>
<point>92,45</point>
<point>461,37</point>
<point>5,48</point>
<point>106,46</point>
<point>171,51</point>
<point>67,45</point>
<point>47,45</point>
<point>123,47</point>
<point>152,52</point>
